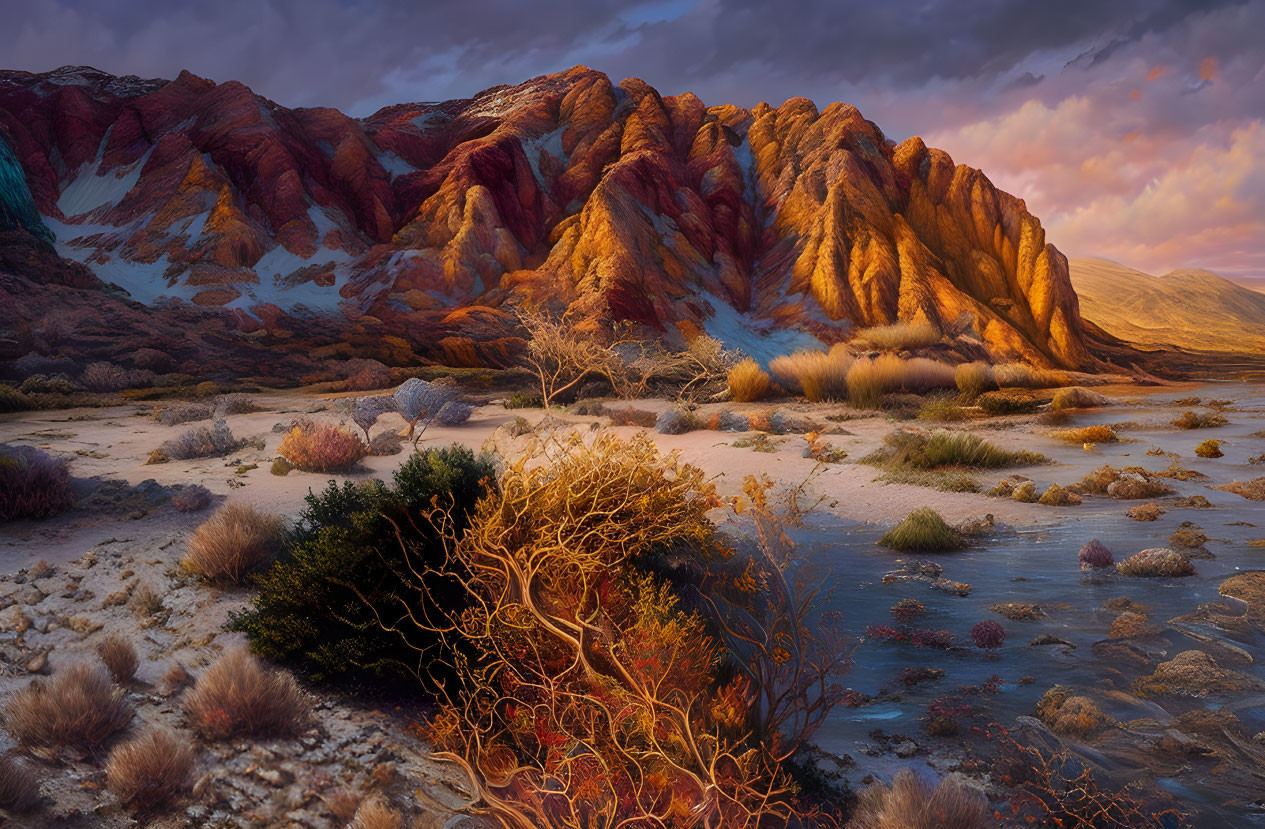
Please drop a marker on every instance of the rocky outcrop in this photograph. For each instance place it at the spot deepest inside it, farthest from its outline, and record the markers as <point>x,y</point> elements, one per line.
<point>432,220</point>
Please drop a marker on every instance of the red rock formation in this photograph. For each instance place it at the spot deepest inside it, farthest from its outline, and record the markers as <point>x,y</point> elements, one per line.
<point>427,220</point>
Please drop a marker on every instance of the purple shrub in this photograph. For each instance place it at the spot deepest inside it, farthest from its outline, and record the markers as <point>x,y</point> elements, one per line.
<point>192,498</point>
<point>1094,556</point>
<point>988,634</point>
<point>33,484</point>
<point>421,402</point>
<point>104,377</point>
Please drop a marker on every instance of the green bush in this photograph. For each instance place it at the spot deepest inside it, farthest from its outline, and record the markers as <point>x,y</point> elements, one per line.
<point>331,603</point>
<point>923,531</point>
<point>945,447</point>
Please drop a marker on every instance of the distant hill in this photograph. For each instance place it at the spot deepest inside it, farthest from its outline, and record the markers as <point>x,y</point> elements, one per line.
<point>1189,309</point>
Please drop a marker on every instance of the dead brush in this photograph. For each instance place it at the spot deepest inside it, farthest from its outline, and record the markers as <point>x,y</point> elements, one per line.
<point>238,696</point>
<point>150,771</point>
<point>19,788</point>
<point>235,541</point>
<point>912,803</point>
<point>78,708</point>
<point>145,600</point>
<point>119,657</point>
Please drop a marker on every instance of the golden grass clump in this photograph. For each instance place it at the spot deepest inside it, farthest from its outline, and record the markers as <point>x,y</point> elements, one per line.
<point>235,541</point>
<point>150,771</point>
<point>1101,433</point>
<point>19,788</point>
<point>322,447</point>
<point>79,707</point>
<point>941,409</point>
<point>376,813</point>
<point>818,375</point>
<point>119,657</point>
<point>1021,375</point>
<point>924,531</point>
<point>238,696</point>
<point>899,336</point>
<point>1210,448</point>
<point>748,382</point>
<point>912,803</point>
<point>973,379</point>
<point>1195,420</point>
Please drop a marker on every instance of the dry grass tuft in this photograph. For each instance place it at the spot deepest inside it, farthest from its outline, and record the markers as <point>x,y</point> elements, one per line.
<point>1194,420</point>
<point>1087,434</point>
<point>1019,375</point>
<point>973,379</point>
<point>232,543</point>
<point>79,707</point>
<point>19,789</point>
<point>818,375</point>
<point>912,803</point>
<point>150,771</point>
<point>239,696</point>
<point>923,530</point>
<point>748,382</point>
<point>899,336</point>
<point>376,813</point>
<point>176,678</point>
<point>119,657</point>
<point>145,600</point>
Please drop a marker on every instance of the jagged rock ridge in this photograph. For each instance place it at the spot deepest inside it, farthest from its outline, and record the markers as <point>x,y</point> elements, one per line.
<point>769,227</point>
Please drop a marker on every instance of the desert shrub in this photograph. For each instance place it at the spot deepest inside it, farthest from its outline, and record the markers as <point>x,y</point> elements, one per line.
<point>1077,398</point>
<point>921,375</point>
<point>1087,434</point>
<point>998,403</point>
<point>913,803</point>
<point>973,379</point>
<point>192,498</point>
<point>1210,448</point>
<point>420,403</point>
<point>523,400</point>
<point>235,404</point>
<point>948,447</point>
<point>235,541</point>
<point>941,409</point>
<point>365,412</point>
<point>13,400</point>
<point>600,536</point>
<point>344,570</point>
<point>237,696</point>
<point>818,375</point>
<point>1021,375</point>
<point>1068,713</point>
<point>44,384</point>
<point>33,483</point>
<point>178,413</point>
<point>899,336</point>
<point>200,442</point>
<point>1195,420</point>
<point>19,789</point>
<point>368,376</point>
<point>988,635</point>
<point>79,707</point>
<point>145,600</point>
<point>321,447</point>
<point>748,382</point>
<point>119,657</point>
<point>150,771</point>
<point>104,377</point>
<point>1157,562</point>
<point>454,413</point>
<point>1057,496</point>
<point>923,530</point>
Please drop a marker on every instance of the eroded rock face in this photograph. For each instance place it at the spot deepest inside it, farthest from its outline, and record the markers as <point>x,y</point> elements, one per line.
<point>424,219</point>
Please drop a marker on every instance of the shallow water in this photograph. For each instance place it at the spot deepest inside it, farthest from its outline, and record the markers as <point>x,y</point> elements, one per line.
<point>1039,565</point>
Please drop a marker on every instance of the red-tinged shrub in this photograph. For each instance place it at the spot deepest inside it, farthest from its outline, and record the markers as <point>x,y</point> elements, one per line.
<point>33,484</point>
<point>238,696</point>
<point>232,543</point>
<point>988,634</point>
<point>78,707</point>
<point>150,771</point>
<point>322,447</point>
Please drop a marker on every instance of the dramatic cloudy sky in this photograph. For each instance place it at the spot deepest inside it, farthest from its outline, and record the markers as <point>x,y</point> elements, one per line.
<point>1134,128</point>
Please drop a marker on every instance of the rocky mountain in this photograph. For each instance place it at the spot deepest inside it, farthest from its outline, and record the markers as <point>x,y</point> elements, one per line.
<point>420,228</point>
<point>1191,310</point>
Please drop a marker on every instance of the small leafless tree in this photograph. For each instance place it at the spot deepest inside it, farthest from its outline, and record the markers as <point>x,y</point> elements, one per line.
<point>561,354</point>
